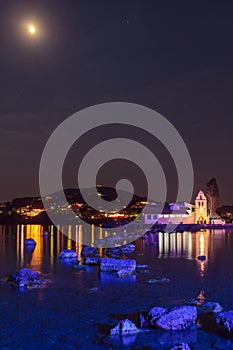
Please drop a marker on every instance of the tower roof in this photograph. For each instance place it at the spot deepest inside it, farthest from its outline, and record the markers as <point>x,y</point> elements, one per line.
<point>201,195</point>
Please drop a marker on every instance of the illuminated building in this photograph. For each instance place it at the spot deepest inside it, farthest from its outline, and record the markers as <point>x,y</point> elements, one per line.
<point>201,215</point>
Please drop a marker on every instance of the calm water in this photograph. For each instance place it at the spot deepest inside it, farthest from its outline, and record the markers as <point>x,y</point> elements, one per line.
<point>75,309</point>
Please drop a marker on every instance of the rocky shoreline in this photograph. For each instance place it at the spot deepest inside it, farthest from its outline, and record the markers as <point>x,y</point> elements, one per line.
<point>208,316</point>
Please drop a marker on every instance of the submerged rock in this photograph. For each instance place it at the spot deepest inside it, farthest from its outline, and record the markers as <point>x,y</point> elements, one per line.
<point>178,318</point>
<point>140,253</point>
<point>89,252</point>
<point>142,271</point>
<point>155,313</point>
<point>122,273</point>
<point>25,278</point>
<point>91,261</point>
<point>79,267</point>
<point>112,279</point>
<point>225,319</point>
<point>110,264</point>
<point>201,257</point>
<point>161,280</point>
<point>180,346</point>
<point>124,327</point>
<point>68,254</point>
<point>30,242</point>
<point>142,266</point>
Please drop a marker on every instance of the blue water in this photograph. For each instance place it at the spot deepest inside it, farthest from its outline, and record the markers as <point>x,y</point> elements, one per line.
<point>75,309</point>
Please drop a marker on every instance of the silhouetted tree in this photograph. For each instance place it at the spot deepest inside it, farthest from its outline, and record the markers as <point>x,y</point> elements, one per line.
<point>226,213</point>
<point>212,194</point>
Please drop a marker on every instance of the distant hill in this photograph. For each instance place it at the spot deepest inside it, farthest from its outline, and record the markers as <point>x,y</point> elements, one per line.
<point>31,209</point>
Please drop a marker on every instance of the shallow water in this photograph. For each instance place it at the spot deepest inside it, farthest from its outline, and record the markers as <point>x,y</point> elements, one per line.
<point>75,308</point>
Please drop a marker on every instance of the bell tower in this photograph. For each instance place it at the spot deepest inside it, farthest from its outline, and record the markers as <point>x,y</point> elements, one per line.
<point>201,216</point>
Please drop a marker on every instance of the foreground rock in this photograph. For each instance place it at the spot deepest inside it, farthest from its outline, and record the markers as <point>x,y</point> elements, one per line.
<point>68,254</point>
<point>115,265</point>
<point>209,307</point>
<point>89,252</point>
<point>225,319</point>
<point>124,327</point>
<point>178,318</point>
<point>25,278</point>
<point>155,313</point>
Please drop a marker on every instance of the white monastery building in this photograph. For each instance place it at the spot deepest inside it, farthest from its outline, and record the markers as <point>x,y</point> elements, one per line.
<point>183,212</point>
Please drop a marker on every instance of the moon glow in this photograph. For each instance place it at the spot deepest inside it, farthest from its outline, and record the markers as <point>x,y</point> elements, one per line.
<point>31,29</point>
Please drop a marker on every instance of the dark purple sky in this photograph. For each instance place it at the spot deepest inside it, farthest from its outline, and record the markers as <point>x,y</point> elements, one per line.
<point>173,56</point>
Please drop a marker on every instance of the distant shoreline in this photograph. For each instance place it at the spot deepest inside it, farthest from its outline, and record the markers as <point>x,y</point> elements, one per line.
<point>153,228</point>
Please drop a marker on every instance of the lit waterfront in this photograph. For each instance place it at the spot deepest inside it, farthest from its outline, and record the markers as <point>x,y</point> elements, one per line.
<point>163,245</point>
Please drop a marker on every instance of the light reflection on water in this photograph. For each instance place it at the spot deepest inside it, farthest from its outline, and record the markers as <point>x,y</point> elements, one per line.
<point>165,245</point>
<point>70,295</point>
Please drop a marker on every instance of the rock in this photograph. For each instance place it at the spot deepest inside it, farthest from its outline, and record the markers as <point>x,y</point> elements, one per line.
<point>24,272</point>
<point>125,249</point>
<point>155,313</point>
<point>110,264</point>
<point>122,273</point>
<point>144,271</point>
<point>142,266</point>
<point>68,254</point>
<point>30,241</point>
<point>143,321</point>
<point>128,248</point>
<point>192,302</point>
<point>161,280</point>
<point>201,257</point>
<point>91,261</point>
<point>89,252</point>
<point>180,346</point>
<point>210,306</point>
<point>178,318</point>
<point>93,289</point>
<point>124,327</point>
<point>114,251</point>
<point>225,319</point>
<point>25,278</point>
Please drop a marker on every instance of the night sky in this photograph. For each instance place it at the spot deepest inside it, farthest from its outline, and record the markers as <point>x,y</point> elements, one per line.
<point>173,56</point>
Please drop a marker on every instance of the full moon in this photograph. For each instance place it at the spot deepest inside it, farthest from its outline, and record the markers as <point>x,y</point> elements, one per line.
<point>31,29</point>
